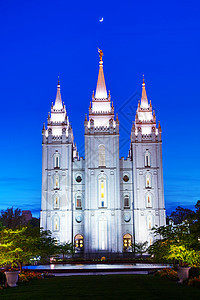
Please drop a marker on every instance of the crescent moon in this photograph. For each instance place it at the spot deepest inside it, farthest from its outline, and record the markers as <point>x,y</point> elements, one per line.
<point>101,20</point>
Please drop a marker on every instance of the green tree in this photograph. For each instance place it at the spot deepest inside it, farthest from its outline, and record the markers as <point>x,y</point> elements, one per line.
<point>11,218</point>
<point>16,247</point>
<point>140,248</point>
<point>181,215</point>
<point>46,245</point>
<point>65,249</point>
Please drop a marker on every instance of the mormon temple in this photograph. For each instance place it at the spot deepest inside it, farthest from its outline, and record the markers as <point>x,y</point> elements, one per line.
<point>101,203</point>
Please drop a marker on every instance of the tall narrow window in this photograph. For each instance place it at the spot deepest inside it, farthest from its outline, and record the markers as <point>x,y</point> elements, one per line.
<point>148,180</point>
<point>149,222</point>
<point>127,242</point>
<point>78,201</point>
<point>126,201</point>
<point>148,200</point>
<point>56,182</point>
<point>102,191</point>
<point>56,223</point>
<point>56,201</point>
<point>102,157</point>
<point>56,160</point>
<point>147,159</point>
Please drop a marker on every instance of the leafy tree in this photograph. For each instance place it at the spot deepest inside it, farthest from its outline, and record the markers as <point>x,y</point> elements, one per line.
<point>65,249</point>
<point>181,215</point>
<point>46,245</point>
<point>140,248</point>
<point>166,236</point>
<point>16,247</point>
<point>11,218</point>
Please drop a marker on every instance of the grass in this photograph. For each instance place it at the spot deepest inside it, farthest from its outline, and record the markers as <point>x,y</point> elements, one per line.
<point>102,287</point>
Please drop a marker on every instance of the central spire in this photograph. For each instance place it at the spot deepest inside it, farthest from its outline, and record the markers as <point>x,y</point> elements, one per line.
<point>144,100</point>
<point>58,102</point>
<point>101,92</point>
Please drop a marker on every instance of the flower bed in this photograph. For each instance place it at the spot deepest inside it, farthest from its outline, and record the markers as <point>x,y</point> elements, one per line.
<point>167,273</point>
<point>26,276</point>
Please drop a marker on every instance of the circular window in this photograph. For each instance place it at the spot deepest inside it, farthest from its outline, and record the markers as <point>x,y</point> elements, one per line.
<point>126,178</point>
<point>78,219</point>
<point>78,178</point>
<point>127,217</point>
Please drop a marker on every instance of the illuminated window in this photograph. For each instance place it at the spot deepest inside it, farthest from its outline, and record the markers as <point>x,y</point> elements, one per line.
<point>126,201</point>
<point>102,191</point>
<point>78,242</point>
<point>56,160</point>
<point>148,180</point>
<point>56,181</point>
<point>78,202</point>
<point>56,223</point>
<point>147,159</point>
<point>148,200</point>
<point>56,204</point>
<point>127,242</point>
<point>102,157</point>
<point>149,222</point>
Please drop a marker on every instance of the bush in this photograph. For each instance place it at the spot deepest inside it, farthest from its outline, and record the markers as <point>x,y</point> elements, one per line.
<point>2,278</point>
<point>167,273</point>
<point>194,282</point>
<point>194,272</point>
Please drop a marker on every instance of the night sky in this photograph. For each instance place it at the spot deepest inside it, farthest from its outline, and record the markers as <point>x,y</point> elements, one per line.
<point>41,39</point>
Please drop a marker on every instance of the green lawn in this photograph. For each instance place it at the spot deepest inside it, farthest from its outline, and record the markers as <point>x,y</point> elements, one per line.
<point>102,287</point>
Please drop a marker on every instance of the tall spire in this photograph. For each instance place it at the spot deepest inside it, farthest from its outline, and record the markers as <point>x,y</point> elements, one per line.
<point>144,100</point>
<point>58,102</point>
<point>101,92</point>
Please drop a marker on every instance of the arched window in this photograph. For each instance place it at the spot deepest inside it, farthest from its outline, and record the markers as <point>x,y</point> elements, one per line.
<point>56,223</point>
<point>148,180</point>
<point>102,157</point>
<point>148,200</point>
<point>102,185</point>
<point>126,201</point>
<point>56,201</point>
<point>147,159</point>
<point>127,243</point>
<point>78,242</point>
<point>56,160</point>
<point>149,222</point>
<point>78,201</point>
<point>56,182</point>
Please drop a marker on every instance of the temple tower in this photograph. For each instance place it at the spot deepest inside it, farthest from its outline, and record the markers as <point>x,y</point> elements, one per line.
<point>146,152</point>
<point>57,156</point>
<point>102,188</point>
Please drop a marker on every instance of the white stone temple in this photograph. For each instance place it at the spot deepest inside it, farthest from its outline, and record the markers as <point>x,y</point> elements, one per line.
<point>101,203</point>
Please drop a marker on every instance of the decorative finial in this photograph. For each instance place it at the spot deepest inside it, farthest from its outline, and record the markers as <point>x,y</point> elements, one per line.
<point>58,85</point>
<point>100,54</point>
<point>143,84</point>
<point>85,117</point>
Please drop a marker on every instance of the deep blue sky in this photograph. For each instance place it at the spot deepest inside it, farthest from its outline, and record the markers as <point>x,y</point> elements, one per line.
<point>41,39</point>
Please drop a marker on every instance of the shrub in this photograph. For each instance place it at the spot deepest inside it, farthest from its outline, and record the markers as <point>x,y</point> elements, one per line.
<point>194,282</point>
<point>167,273</point>
<point>194,272</point>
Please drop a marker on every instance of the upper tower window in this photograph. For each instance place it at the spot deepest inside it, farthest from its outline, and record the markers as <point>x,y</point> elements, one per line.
<point>147,159</point>
<point>56,181</point>
<point>148,200</point>
<point>126,201</point>
<point>78,201</point>
<point>102,157</point>
<point>56,201</point>
<point>148,180</point>
<point>56,160</point>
